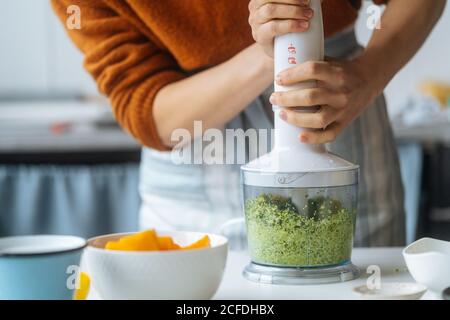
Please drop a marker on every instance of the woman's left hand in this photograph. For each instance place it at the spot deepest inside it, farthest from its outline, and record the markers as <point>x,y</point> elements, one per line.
<point>344,89</point>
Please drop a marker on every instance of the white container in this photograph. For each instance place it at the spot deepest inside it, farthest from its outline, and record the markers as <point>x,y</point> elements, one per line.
<point>175,275</point>
<point>428,261</point>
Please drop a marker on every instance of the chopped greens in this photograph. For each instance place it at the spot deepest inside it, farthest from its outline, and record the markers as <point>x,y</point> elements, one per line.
<point>319,234</point>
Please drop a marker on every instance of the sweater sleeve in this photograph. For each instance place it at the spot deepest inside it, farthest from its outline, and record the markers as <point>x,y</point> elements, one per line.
<point>128,67</point>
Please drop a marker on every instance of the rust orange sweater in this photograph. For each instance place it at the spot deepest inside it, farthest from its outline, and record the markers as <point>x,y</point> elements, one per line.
<point>133,48</point>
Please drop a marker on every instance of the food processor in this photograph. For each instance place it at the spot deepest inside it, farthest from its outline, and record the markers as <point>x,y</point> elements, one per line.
<point>300,201</point>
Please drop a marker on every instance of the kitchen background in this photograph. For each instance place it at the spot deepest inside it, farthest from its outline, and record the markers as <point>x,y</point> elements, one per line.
<point>66,167</point>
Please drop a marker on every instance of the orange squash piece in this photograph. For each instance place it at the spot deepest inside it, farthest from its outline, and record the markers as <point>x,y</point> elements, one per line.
<point>84,284</point>
<point>143,241</point>
<point>203,243</point>
<point>149,241</point>
<point>112,245</point>
<point>165,243</point>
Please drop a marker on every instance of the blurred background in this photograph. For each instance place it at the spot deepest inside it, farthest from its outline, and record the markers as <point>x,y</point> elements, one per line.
<point>66,167</point>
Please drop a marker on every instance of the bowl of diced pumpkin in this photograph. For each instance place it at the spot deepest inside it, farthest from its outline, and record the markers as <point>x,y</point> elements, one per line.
<point>156,265</point>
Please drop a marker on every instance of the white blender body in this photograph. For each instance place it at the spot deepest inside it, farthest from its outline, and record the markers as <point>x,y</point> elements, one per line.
<point>291,50</point>
<point>299,200</point>
<point>288,154</point>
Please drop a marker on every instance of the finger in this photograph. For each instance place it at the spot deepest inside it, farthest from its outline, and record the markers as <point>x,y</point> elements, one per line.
<point>321,136</point>
<point>311,70</point>
<point>304,98</point>
<point>321,119</point>
<point>272,11</point>
<point>267,31</point>
<point>256,4</point>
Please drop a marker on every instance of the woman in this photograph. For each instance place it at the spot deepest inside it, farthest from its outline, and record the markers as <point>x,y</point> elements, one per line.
<point>166,64</point>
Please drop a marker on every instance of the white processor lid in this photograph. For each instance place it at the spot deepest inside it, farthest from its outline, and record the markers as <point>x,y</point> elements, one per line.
<point>308,171</point>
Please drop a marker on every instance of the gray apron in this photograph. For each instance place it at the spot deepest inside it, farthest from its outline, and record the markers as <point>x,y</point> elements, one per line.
<point>204,197</point>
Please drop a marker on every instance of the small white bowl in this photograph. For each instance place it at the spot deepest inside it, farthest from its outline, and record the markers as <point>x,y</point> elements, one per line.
<point>176,275</point>
<point>428,261</point>
<point>393,291</point>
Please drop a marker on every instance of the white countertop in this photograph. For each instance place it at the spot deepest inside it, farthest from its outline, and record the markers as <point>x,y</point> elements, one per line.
<point>89,140</point>
<point>29,127</point>
<point>235,287</point>
<point>390,261</point>
<point>426,133</point>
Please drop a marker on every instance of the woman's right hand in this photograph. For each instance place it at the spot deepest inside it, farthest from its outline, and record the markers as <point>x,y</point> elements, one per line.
<point>271,18</point>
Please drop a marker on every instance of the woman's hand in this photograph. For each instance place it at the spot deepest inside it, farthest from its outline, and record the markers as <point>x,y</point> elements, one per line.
<point>271,18</point>
<point>345,89</point>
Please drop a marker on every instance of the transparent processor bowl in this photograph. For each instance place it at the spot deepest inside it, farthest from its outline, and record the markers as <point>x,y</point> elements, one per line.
<point>293,226</point>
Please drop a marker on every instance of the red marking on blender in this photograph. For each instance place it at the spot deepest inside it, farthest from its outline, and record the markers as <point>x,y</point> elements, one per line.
<point>292,52</point>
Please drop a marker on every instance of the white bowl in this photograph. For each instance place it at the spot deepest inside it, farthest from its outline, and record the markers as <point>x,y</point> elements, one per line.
<point>428,261</point>
<point>176,275</point>
<point>393,291</point>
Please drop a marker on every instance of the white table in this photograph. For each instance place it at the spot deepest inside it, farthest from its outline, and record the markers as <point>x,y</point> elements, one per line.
<point>390,261</point>
<point>235,287</point>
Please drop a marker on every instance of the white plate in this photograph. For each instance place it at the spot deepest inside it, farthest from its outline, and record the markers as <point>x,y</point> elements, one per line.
<point>393,291</point>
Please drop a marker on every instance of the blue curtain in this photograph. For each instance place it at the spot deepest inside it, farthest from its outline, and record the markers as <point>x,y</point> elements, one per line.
<point>411,155</point>
<point>74,200</point>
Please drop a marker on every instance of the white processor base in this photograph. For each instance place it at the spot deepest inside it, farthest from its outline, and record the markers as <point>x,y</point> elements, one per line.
<point>300,276</point>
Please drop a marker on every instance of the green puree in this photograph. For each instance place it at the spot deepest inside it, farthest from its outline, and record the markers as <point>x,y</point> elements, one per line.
<point>280,234</point>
